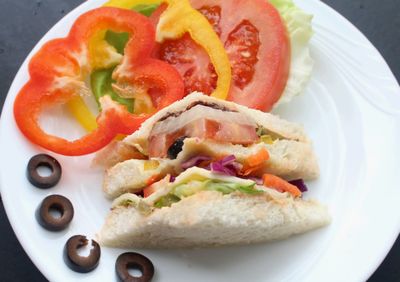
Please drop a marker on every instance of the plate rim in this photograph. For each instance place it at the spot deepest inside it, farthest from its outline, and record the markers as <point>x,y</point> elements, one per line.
<point>7,205</point>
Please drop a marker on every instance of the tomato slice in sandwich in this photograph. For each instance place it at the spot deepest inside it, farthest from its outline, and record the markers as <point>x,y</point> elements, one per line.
<point>257,44</point>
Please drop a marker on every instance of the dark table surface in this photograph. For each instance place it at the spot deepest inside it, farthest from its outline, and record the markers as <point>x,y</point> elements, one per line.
<point>24,22</point>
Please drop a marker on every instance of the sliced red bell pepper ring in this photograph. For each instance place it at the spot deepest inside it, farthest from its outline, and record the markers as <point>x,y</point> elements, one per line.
<point>58,70</point>
<point>101,79</point>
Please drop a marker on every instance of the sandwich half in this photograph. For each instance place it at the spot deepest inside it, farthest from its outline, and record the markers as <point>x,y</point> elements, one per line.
<point>202,209</point>
<point>205,127</point>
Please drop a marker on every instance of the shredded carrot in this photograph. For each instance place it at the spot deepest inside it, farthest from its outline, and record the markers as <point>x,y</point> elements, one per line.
<point>255,162</point>
<point>257,159</point>
<point>246,171</point>
<point>281,185</point>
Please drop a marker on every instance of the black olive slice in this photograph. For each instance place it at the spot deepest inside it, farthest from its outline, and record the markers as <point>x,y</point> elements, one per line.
<point>56,203</point>
<point>175,148</point>
<point>43,160</point>
<point>79,263</point>
<point>127,261</point>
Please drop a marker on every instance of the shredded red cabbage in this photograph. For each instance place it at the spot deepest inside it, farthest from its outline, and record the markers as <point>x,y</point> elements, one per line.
<point>227,165</point>
<point>299,183</point>
<point>195,161</point>
<point>218,167</point>
<point>237,166</point>
<point>227,160</point>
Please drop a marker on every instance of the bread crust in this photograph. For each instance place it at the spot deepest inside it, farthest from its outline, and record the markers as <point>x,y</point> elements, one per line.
<point>210,218</point>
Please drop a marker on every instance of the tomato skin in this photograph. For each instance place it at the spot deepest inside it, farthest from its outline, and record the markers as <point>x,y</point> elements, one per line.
<point>260,69</point>
<point>272,69</point>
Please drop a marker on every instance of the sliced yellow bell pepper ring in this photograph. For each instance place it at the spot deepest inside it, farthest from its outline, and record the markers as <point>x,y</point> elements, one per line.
<point>82,114</point>
<point>180,17</point>
<point>129,4</point>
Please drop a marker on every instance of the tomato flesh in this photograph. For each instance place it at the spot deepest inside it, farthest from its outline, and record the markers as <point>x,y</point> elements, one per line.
<point>257,45</point>
<point>192,62</point>
<point>149,190</point>
<point>213,15</point>
<point>205,129</point>
<point>242,47</point>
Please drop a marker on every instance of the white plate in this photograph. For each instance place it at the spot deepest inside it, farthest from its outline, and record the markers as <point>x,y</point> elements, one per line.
<point>351,110</point>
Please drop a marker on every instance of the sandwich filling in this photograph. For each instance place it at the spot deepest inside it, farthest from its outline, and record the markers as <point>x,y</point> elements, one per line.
<point>169,190</point>
<point>216,136</point>
<point>204,122</point>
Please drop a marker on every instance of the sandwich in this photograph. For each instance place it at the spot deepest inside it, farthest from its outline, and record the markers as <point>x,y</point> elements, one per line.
<point>213,173</point>
<point>200,127</point>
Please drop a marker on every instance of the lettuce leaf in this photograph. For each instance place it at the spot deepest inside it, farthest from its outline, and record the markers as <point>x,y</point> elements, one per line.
<point>194,186</point>
<point>222,187</point>
<point>299,27</point>
<point>166,201</point>
<point>249,190</point>
<point>226,187</point>
<point>188,189</point>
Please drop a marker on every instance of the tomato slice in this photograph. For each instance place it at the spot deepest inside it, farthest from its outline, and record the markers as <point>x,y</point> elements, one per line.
<point>154,183</point>
<point>151,188</point>
<point>203,129</point>
<point>257,45</point>
<point>192,62</point>
<point>148,191</point>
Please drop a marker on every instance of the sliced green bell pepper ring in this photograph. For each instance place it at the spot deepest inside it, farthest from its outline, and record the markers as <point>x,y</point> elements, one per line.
<point>146,9</point>
<point>101,83</point>
<point>101,80</point>
<point>119,40</point>
<point>58,70</point>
